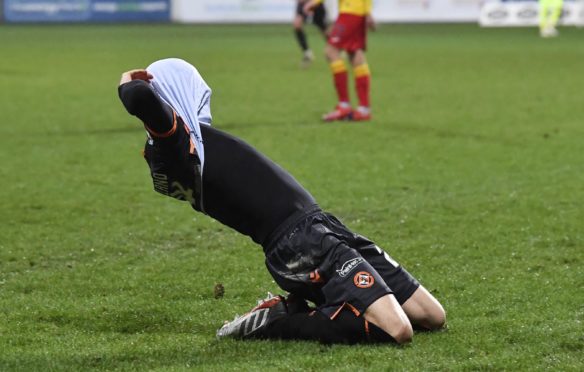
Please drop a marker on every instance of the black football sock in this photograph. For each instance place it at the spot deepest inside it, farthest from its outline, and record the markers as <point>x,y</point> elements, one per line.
<point>301,37</point>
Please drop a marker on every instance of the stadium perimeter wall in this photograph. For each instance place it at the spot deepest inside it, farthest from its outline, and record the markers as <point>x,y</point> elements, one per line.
<point>273,11</point>
<point>489,13</point>
<point>224,11</point>
<point>526,13</point>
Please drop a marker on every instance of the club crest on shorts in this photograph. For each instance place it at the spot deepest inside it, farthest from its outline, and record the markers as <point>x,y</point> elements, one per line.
<point>363,279</point>
<point>349,266</point>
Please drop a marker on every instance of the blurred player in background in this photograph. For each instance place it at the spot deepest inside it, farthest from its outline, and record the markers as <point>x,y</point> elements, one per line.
<point>349,34</point>
<point>361,293</point>
<point>318,18</point>
<point>549,14</point>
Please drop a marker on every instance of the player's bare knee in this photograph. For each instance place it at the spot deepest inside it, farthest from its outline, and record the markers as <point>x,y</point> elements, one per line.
<point>400,333</point>
<point>424,310</point>
<point>399,329</point>
<point>437,319</point>
<point>331,53</point>
<point>403,334</point>
<point>433,319</point>
<point>435,316</point>
<point>298,23</point>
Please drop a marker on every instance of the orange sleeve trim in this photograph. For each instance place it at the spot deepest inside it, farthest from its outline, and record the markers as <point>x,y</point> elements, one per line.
<point>166,134</point>
<point>192,144</point>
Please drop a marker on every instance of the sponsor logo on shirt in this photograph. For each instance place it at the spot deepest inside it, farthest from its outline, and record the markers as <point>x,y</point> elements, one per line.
<point>349,266</point>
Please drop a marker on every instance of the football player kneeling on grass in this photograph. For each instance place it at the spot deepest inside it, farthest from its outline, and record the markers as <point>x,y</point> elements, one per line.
<point>360,293</point>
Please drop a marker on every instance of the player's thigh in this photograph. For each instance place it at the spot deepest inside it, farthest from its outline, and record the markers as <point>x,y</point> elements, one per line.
<point>424,310</point>
<point>387,314</point>
<point>397,278</point>
<point>298,22</point>
<point>419,305</point>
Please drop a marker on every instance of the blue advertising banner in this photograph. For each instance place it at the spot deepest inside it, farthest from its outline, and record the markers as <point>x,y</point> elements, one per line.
<point>128,10</point>
<point>50,11</point>
<point>86,10</point>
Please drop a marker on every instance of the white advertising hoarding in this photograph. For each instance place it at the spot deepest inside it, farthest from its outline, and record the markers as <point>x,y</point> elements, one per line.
<point>426,10</point>
<point>282,11</point>
<point>233,11</point>
<point>507,14</point>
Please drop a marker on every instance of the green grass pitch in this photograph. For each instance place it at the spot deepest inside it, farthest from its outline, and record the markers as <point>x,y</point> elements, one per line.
<point>471,175</point>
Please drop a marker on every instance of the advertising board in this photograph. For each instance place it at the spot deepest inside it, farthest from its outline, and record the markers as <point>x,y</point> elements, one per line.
<point>86,10</point>
<point>526,13</point>
<point>233,11</point>
<point>282,11</point>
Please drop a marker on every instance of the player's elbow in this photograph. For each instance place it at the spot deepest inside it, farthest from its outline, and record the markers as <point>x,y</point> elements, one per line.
<point>136,95</point>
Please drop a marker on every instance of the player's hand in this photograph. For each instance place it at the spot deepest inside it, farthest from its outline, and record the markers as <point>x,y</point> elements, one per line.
<point>370,22</point>
<point>138,74</point>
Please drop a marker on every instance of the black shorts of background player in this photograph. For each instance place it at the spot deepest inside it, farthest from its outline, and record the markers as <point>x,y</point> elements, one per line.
<point>360,293</point>
<point>318,18</point>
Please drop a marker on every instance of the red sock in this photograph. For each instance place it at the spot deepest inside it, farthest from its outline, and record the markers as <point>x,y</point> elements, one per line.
<point>362,84</point>
<point>341,79</point>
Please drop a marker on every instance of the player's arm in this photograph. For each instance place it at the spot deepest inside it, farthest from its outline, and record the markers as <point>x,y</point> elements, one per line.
<point>140,100</point>
<point>310,5</point>
<point>368,15</point>
<point>176,170</point>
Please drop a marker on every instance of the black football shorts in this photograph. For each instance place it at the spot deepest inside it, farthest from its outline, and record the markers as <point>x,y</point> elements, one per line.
<point>318,15</point>
<point>320,259</point>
